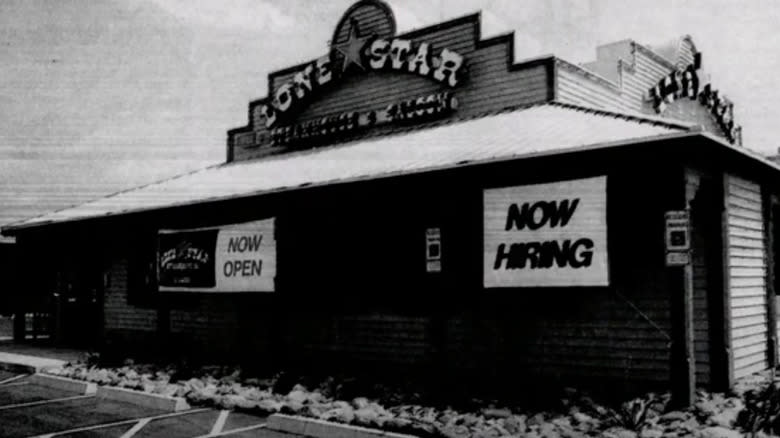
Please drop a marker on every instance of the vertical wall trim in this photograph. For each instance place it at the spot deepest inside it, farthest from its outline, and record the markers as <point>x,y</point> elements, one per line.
<point>690,355</point>
<point>699,197</point>
<point>230,145</point>
<point>681,298</point>
<point>768,202</point>
<point>715,276</point>
<point>552,80</point>
<point>728,352</point>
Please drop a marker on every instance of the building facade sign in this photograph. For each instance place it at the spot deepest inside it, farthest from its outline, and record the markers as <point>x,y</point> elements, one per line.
<point>361,53</point>
<point>420,109</point>
<point>232,258</point>
<point>688,82</point>
<point>546,235</point>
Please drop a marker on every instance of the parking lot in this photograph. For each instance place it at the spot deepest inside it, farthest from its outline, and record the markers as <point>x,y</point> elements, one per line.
<point>28,410</point>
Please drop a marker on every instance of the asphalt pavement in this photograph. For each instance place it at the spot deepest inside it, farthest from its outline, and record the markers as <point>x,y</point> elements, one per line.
<point>28,410</point>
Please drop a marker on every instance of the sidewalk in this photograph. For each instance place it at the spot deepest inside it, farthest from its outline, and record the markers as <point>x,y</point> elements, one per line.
<point>35,357</point>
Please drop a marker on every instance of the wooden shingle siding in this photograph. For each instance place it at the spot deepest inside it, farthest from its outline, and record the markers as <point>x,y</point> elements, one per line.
<point>609,342</point>
<point>633,90</point>
<point>358,338</point>
<point>119,315</point>
<point>639,72</point>
<point>222,326</point>
<point>208,324</point>
<point>364,337</point>
<point>211,320</point>
<point>746,273</point>
<point>579,90</point>
<point>642,73</point>
<point>685,55</point>
<point>647,70</point>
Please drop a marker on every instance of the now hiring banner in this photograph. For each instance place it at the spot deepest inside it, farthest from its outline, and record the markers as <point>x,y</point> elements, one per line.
<point>231,258</point>
<point>546,234</point>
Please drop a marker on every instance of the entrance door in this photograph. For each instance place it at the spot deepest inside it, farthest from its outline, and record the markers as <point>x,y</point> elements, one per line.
<point>79,305</point>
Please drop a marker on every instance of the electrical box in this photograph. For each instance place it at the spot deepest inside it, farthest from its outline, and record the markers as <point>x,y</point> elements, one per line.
<point>433,250</point>
<point>678,238</point>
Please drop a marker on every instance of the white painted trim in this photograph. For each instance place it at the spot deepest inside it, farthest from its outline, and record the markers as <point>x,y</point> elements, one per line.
<point>234,431</point>
<point>145,399</point>
<point>312,427</point>
<point>44,402</point>
<point>15,384</point>
<point>138,426</point>
<point>120,423</point>
<point>63,383</point>
<point>11,379</point>
<point>219,424</point>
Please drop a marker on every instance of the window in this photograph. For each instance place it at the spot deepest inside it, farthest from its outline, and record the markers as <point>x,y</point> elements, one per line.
<point>142,273</point>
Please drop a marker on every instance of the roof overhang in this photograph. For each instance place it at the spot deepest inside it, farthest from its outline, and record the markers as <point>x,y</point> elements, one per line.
<point>508,152</point>
<point>14,229</point>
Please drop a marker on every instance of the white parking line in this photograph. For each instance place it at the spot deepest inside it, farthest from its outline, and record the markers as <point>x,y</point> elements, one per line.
<point>220,423</point>
<point>11,379</point>
<point>44,402</point>
<point>8,385</point>
<point>138,426</point>
<point>232,431</point>
<point>121,423</point>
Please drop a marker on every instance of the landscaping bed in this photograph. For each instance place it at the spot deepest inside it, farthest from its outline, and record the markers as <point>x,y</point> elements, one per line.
<point>577,415</point>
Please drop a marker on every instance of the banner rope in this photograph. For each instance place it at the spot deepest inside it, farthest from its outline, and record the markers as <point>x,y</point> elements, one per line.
<point>645,317</point>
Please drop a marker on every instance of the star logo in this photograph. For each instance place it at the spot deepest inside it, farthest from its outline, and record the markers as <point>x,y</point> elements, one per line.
<point>352,49</point>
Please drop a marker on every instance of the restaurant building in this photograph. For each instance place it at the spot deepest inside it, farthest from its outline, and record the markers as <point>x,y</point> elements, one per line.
<point>425,202</point>
<point>7,261</point>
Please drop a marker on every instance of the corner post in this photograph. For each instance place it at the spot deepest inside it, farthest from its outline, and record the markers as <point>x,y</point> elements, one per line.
<point>769,201</point>
<point>683,366</point>
<point>726,354</point>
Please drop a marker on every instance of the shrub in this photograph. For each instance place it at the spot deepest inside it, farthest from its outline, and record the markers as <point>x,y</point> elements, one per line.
<point>92,359</point>
<point>633,414</point>
<point>762,410</point>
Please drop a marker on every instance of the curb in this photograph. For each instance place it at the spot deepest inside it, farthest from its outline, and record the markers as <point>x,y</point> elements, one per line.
<point>315,428</point>
<point>64,384</point>
<point>20,363</point>
<point>145,399</point>
<point>17,368</point>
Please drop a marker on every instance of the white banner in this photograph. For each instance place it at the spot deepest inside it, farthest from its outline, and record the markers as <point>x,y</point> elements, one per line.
<point>546,234</point>
<point>231,258</point>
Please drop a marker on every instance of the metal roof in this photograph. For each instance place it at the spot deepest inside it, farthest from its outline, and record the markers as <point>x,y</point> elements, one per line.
<point>538,130</point>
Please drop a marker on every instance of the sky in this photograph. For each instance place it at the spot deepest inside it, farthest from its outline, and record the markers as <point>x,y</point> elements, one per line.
<point>98,96</point>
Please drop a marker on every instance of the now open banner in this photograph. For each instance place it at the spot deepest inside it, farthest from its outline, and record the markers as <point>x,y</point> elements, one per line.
<point>231,258</point>
<point>551,234</point>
